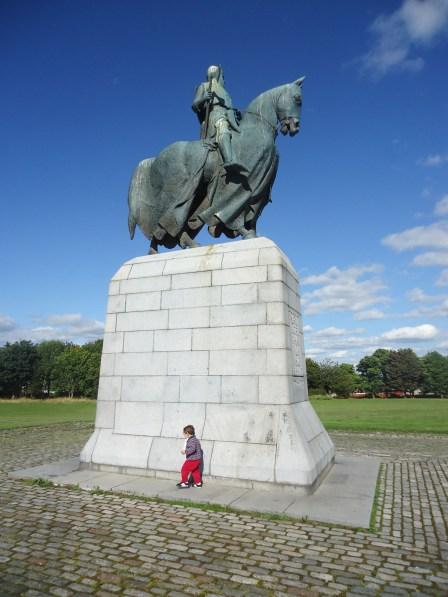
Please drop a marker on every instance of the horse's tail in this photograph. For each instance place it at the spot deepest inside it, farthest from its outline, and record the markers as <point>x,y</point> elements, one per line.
<point>138,191</point>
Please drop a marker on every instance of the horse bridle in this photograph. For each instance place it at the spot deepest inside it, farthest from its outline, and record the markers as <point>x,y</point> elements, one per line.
<point>274,128</point>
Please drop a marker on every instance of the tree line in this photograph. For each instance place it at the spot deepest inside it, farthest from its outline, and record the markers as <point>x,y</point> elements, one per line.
<point>51,368</point>
<point>55,368</point>
<point>385,372</point>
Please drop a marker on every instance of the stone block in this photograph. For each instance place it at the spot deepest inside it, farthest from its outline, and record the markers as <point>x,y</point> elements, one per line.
<point>237,259</point>
<point>240,275</point>
<point>275,389</point>
<point>139,418</point>
<point>140,363</point>
<point>141,321</point>
<point>143,301</point>
<point>110,322</point>
<point>178,415</point>
<point>278,362</point>
<point>147,269</point>
<point>107,364</point>
<point>86,452</point>
<point>193,280</point>
<point>237,362</point>
<point>225,337</point>
<point>154,388</point>
<point>273,336</point>
<point>122,273</point>
<point>138,285</point>
<point>239,388</point>
<point>114,287</point>
<point>191,297</point>
<point>200,388</point>
<point>236,294</point>
<point>299,389</point>
<point>197,317</point>
<point>167,340</point>
<point>188,363</point>
<point>116,303</point>
<point>109,388</point>
<point>105,414</point>
<point>113,342</point>
<point>269,292</point>
<point>243,461</point>
<point>165,454</point>
<point>207,262</point>
<point>139,341</point>
<point>241,423</point>
<point>232,315</point>
<point>277,313</point>
<point>121,450</point>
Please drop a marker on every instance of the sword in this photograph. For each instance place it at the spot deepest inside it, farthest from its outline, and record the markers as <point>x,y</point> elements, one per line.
<point>207,112</point>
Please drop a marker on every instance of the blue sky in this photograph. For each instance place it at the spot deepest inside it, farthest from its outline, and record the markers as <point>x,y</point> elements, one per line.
<point>360,205</point>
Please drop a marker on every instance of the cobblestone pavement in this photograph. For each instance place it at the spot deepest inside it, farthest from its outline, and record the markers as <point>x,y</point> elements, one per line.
<point>63,542</point>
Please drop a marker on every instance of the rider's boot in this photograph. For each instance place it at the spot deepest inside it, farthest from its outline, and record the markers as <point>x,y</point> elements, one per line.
<point>229,163</point>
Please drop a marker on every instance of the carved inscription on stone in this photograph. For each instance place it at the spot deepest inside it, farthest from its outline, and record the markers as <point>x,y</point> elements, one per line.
<point>295,342</point>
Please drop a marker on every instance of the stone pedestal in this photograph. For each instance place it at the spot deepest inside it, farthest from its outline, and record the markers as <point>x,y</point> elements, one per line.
<point>210,337</point>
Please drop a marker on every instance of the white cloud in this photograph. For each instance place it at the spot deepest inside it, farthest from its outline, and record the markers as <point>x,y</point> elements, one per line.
<point>435,159</point>
<point>415,24</point>
<point>441,208</point>
<point>344,290</point>
<point>6,323</point>
<point>307,328</point>
<point>431,259</point>
<point>433,236</point>
<point>417,333</point>
<point>72,327</point>
<point>417,295</point>
<point>442,280</point>
<point>369,314</point>
<point>334,331</point>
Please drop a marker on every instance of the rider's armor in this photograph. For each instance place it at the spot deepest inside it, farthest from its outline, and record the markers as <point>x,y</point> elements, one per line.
<point>222,120</point>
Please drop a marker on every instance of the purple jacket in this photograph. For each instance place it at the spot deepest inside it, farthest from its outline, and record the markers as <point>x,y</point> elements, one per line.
<point>193,449</point>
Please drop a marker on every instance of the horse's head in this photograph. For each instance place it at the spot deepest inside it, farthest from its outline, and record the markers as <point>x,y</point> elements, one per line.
<point>289,106</point>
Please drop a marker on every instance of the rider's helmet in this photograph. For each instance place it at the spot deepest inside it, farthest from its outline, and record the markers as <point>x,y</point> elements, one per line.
<point>215,71</point>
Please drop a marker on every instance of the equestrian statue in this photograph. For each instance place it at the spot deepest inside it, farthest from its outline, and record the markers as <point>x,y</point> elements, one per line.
<point>223,180</point>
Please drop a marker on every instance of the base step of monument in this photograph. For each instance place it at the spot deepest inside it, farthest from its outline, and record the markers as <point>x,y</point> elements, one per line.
<point>344,497</point>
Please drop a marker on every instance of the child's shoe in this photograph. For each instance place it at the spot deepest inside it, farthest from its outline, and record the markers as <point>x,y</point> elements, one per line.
<point>182,485</point>
<point>197,484</point>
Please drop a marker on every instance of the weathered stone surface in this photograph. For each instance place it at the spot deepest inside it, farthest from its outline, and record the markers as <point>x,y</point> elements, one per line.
<point>210,337</point>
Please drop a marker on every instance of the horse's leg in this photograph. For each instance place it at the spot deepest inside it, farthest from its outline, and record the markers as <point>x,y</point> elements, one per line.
<point>186,242</point>
<point>153,247</point>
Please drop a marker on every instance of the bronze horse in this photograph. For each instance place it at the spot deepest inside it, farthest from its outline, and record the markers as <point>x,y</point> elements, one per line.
<point>174,194</point>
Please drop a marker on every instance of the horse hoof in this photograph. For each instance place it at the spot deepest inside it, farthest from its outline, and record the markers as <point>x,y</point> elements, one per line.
<point>186,242</point>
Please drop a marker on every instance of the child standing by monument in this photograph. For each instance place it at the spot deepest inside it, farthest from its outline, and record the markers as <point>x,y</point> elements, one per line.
<point>193,461</point>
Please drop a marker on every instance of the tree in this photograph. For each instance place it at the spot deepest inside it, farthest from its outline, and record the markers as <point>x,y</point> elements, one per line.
<point>17,364</point>
<point>77,370</point>
<point>435,373</point>
<point>339,379</point>
<point>89,383</point>
<point>46,365</point>
<point>372,370</point>
<point>403,370</point>
<point>313,375</point>
<point>345,379</point>
<point>69,368</point>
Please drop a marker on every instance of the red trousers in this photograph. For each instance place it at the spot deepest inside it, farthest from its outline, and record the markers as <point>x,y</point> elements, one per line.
<point>193,467</point>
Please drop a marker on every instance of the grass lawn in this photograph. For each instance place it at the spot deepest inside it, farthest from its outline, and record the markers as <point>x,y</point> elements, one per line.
<point>31,413</point>
<point>399,415</point>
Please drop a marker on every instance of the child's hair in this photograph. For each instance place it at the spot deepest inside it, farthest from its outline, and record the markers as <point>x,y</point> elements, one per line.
<point>189,429</point>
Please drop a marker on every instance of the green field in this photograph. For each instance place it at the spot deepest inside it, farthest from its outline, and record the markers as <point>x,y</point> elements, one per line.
<point>403,415</point>
<point>399,416</point>
<point>32,413</point>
